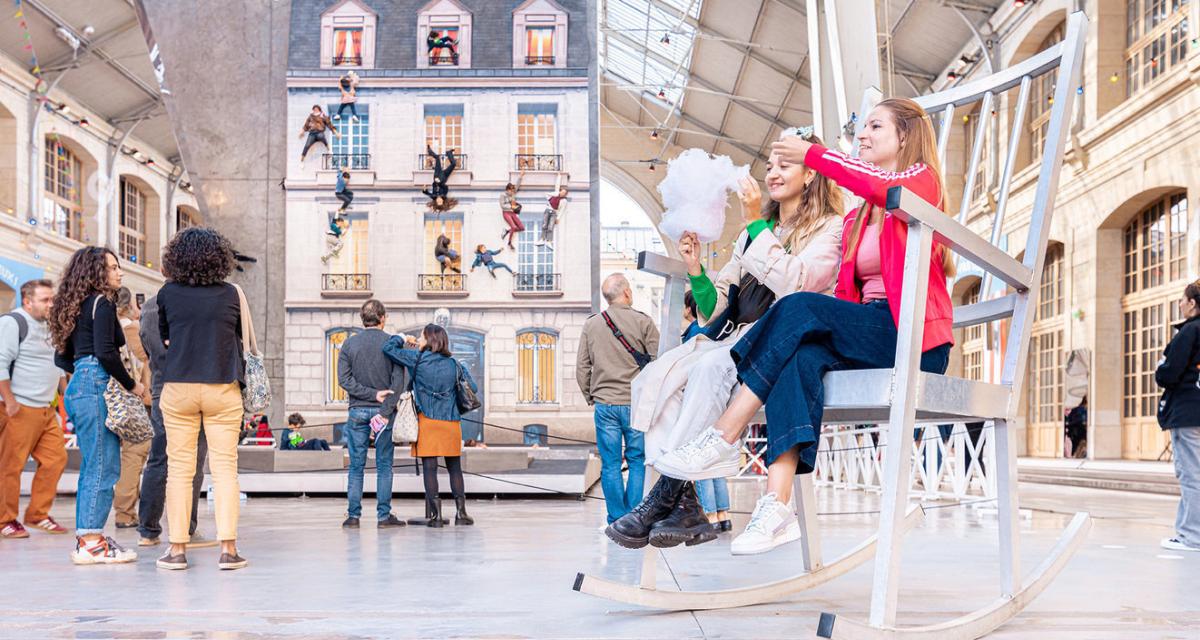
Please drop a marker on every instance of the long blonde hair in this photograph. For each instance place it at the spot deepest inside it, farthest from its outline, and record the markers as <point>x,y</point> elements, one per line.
<point>918,145</point>
<point>819,200</point>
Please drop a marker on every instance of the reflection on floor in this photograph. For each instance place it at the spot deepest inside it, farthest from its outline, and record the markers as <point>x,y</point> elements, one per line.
<point>511,576</point>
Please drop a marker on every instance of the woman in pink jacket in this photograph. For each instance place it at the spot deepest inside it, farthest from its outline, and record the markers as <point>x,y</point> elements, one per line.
<point>791,245</point>
<point>783,359</point>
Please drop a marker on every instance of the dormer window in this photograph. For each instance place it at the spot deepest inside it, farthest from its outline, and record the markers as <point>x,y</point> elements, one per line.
<point>444,36</point>
<point>348,36</point>
<point>539,35</point>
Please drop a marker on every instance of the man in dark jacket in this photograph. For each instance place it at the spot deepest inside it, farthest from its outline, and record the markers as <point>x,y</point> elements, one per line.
<point>154,476</point>
<point>368,378</point>
<point>1179,413</point>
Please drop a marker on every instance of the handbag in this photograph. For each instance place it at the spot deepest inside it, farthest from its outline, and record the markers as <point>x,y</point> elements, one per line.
<point>127,416</point>
<point>256,395</point>
<point>747,301</point>
<point>404,422</point>
<point>464,395</point>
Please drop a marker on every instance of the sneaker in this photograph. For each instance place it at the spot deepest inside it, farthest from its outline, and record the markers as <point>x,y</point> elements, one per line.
<point>350,523</point>
<point>336,117</point>
<point>230,562</point>
<point>172,562</point>
<point>126,525</point>
<point>13,530</point>
<point>353,118</point>
<point>48,525</point>
<point>391,522</point>
<point>149,542</point>
<point>539,243</point>
<point>772,524</point>
<point>1175,544</point>
<point>102,551</point>
<point>707,456</point>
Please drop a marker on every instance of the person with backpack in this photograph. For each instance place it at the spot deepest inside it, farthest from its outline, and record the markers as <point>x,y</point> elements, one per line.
<point>29,381</point>
<point>613,348</point>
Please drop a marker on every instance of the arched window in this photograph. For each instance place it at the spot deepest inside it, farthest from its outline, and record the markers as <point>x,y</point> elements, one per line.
<point>1156,40</point>
<point>62,195</point>
<point>132,225</point>
<point>334,339</point>
<point>536,377</point>
<point>1045,388</point>
<point>973,343</point>
<point>1041,98</point>
<point>186,217</point>
<point>1155,272</point>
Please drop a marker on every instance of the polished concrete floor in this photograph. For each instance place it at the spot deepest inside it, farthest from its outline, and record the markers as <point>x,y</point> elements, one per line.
<point>510,576</point>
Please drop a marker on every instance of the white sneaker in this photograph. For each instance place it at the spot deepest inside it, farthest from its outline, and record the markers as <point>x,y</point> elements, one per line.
<point>772,524</point>
<point>706,457</point>
<point>1175,544</point>
<point>539,243</point>
<point>353,118</point>
<point>337,117</point>
<point>102,551</point>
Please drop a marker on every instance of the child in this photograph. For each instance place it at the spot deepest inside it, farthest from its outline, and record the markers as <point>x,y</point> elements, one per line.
<point>511,209</point>
<point>486,257</point>
<point>333,237</point>
<point>293,441</point>
<point>341,192</point>
<point>556,205</point>
<point>348,85</point>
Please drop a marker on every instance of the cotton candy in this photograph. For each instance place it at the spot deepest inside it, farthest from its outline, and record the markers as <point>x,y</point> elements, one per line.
<point>695,193</point>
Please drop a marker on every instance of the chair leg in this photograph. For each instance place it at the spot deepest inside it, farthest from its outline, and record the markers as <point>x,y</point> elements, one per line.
<point>805,495</point>
<point>1007,505</point>
<point>649,579</point>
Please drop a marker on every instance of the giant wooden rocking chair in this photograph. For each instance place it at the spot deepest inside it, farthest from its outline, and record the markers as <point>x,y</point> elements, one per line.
<point>904,395</point>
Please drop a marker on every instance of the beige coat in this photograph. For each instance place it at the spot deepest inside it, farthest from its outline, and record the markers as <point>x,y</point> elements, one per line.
<point>658,390</point>
<point>604,369</point>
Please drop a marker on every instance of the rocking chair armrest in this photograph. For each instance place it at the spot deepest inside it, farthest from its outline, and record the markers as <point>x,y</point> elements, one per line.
<point>912,209</point>
<point>661,265</point>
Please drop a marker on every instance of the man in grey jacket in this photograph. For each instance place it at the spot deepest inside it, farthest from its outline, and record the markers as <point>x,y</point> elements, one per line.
<point>154,476</point>
<point>368,378</point>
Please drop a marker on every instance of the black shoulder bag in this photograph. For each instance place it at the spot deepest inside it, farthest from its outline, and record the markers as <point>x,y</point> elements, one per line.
<point>639,358</point>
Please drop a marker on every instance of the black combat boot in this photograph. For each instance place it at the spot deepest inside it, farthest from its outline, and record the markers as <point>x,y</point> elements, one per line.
<point>687,523</point>
<point>461,519</point>
<point>428,515</point>
<point>632,530</point>
<point>435,514</point>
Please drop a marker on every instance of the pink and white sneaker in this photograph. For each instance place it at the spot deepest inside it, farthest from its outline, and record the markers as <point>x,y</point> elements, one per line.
<point>102,551</point>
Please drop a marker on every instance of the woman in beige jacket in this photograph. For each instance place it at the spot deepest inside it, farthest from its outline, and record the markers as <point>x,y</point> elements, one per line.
<point>792,244</point>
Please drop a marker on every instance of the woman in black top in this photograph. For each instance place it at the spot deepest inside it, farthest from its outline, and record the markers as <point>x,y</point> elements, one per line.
<point>87,338</point>
<point>1179,413</point>
<point>199,320</point>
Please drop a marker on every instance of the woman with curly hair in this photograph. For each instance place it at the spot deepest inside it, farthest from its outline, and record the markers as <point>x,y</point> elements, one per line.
<point>199,320</point>
<point>87,339</point>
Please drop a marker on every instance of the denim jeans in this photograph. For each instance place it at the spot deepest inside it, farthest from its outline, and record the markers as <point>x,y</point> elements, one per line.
<point>612,426</point>
<point>154,479</point>
<point>99,448</point>
<point>785,356</point>
<point>713,494</point>
<point>1185,446</point>
<point>358,436</point>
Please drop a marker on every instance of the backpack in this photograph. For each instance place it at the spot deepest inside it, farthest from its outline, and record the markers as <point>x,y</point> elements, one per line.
<point>22,333</point>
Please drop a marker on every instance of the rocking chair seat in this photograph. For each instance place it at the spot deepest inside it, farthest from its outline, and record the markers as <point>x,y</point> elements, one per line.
<point>865,396</point>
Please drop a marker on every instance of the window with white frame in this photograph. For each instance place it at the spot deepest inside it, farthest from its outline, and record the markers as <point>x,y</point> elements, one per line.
<point>537,138</point>
<point>351,150</point>
<point>352,259</point>
<point>62,197</point>
<point>536,375</point>
<point>348,35</point>
<point>186,217</point>
<point>132,224</point>
<point>535,262</point>
<point>1156,40</point>
<point>443,132</point>
<point>540,34</point>
<point>444,35</point>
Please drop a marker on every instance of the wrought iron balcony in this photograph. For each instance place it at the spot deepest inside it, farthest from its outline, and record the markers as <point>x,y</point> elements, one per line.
<point>351,161</point>
<point>347,61</point>
<point>442,283</point>
<point>539,161</point>
<point>539,60</point>
<point>346,282</point>
<point>425,163</point>
<point>538,283</point>
<point>443,59</point>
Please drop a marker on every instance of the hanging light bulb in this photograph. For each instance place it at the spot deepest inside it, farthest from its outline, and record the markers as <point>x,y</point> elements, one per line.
<point>1114,78</point>
<point>951,75</point>
<point>1154,62</point>
<point>666,39</point>
<point>662,94</point>
<point>966,119</point>
<point>1079,90</point>
<point>654,134</point>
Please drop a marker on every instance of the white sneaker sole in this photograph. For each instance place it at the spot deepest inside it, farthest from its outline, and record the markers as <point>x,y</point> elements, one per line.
<point>90,559</point>
<point>1177,547</point>
<point>790,534</point>
<point>722,469</point>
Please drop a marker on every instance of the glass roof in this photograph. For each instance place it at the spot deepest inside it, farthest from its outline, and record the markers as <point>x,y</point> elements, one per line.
<point>633,50</point>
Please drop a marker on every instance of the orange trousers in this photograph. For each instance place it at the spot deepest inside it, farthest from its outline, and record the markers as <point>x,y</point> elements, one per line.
<point>33,431</point>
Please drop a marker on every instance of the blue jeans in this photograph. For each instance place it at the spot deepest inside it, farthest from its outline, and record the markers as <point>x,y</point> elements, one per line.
<point>785,357</point>
<point>358,436</point>
<point>612,425</point>
<point>99,448</point>
<point>1185,449</point>
<point>713,494</point>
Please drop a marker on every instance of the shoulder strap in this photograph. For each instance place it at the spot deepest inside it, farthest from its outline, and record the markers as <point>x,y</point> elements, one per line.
<point>249,343</point>
<point>22,326</point>
<point>619,336</point>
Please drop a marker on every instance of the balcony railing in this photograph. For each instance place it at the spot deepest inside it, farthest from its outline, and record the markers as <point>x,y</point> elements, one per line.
<point>351,161</point>
<point>539,60</point>
<point>425,163</point>
<point>443,59</point>
<point>348,282</point>
<point>539,162</point>
<point>538,283</point>
<point>441,282</point>
<point>347,61</point>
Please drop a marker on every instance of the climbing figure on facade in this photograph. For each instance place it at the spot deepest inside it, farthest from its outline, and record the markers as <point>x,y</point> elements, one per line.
<point>438,191</point>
